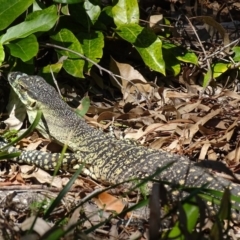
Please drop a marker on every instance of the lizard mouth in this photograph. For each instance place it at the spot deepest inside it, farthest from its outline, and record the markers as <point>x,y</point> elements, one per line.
<point>14,76</point>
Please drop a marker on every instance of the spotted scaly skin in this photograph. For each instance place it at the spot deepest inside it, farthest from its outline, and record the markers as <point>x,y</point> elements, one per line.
<point>105,158</point>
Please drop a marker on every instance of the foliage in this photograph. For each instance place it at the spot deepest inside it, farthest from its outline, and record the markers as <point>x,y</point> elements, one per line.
<point>83,27</point>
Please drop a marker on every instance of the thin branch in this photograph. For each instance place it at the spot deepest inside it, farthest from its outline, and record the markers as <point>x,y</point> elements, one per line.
<point>114,76</point>
<point>204,52</point>
<point>55,82</point>
<point>101,69</point>
<point>222,49</point>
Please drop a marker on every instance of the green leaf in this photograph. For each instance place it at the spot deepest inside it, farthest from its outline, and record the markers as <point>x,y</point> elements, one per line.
<point>216,70</point>
<point>85,106</point>
<point>86,13</point>
<point>39,21</point>
<point>125,12</point>
<point>18,48</point>
<point>2,54</point>
<point>167,30</point>
<point>93,11</point>
<point>11,9</point>
<point>74,64</point>
<point>188,57</point>
<point>172,63</point>
<point>36,6</point>
<point>65,10</point>
<point>6,155</point>
<point>74,67</point>
<point>65,38</point>
<point>55,68</point>
<point>223,213</point>
<point>219,68</point>
<point>92,44</point>
<point>192,214</point>
<point>69,1</point>
<point>47,71</point>
<point>78,12</point>
<point>207,78</point>
<point>236,50</point>
<point>180,53</point>
<point>146,43</point>
<point>225,207</point>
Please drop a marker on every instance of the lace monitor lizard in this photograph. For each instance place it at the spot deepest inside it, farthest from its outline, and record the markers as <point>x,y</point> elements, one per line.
<point>105,158</point>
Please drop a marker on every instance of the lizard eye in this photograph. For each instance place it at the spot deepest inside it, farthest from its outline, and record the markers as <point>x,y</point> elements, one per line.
<point>23,88</point>
<point>33,104</point>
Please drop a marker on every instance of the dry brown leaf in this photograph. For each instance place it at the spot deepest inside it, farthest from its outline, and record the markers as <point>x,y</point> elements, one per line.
<point>221,125</point>
<point>158,115</point>
<point>218,144</point>
<point>171,126</point>
<point>154,22</point>
<point>2,184</point>
<point>137,111</point>
<point>41,175</point>
<point>231,155</point>
<point>135,135</point>
<point>205,131</point>
<point>181,132</point>
<point>172,94</point>
<point>93,122</point>
<point>73,220</point>
<point>212,155</point>
<point>109,202</point>
<point>174,145</point>
<point>37,224</point>
<point>194,128</point>
<point>147,120</point>
<point>107,116</point>
<point>233,125</point>
<point>181,121</point>
<point>194,145</point>
<point>229,135</point>
<point>137,91</point>
<point>204,151</point>
<point>113,232</point>
<point>194,117</point>
<point>16,111</point>
<point>128,116</point>
<point>188,107</point>
<point>204,107</point>
<point>126,71</point>
<point>19,178</point>
<point>33,145</point>
<point>99,109</point>
<point>152,128</point>
<point>78,182</point>
<point>136,235</point>
<point>234,103</point>
<point>237,153</point>
<point>92,214</point>
<point>232,94</point>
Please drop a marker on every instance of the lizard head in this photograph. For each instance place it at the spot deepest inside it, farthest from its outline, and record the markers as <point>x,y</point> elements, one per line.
<point>36,94</point>
<point>33,91</point>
